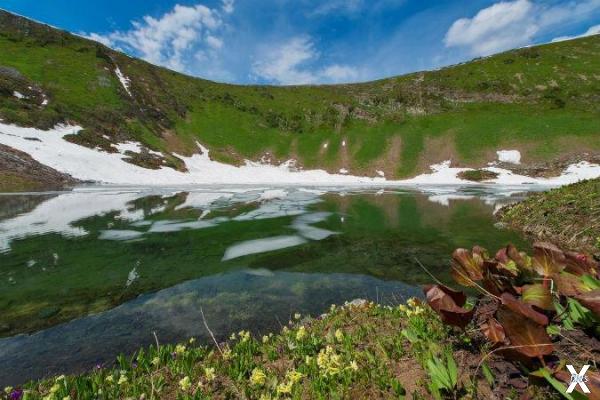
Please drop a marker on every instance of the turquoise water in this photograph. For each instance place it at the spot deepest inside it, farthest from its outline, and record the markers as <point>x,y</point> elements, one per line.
<point>88,274</point>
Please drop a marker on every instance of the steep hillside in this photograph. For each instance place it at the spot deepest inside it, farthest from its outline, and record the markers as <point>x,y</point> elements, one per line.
<point>543,101</point>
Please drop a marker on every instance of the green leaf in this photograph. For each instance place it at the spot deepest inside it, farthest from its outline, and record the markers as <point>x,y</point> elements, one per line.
<point>488,374</point>
<point>590,282</point>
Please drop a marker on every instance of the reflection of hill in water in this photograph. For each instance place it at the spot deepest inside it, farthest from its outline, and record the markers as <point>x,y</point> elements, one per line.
<point>257,300</point>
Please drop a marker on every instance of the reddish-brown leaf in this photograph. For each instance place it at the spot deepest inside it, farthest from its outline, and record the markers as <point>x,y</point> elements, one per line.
<point>525,310</point>
<point>537,295</point>
<point>568,284</point>
<point>528,337</point>
<point>522,260</point>
<point>496,279</point>
<point>580,264</point>
<point>467,267</point>
<point>590,300</point>
<point>448,304</point>
<point>493,330</point>
<point>548,259</point>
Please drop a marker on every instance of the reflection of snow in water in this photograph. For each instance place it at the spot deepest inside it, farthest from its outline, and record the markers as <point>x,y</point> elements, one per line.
<point>132,276</point>
<point>116,234</point>
<point>262,245</point>
<point>62,214</point>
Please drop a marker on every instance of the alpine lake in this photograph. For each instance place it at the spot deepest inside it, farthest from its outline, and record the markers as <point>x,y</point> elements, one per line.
<point>97,271</point>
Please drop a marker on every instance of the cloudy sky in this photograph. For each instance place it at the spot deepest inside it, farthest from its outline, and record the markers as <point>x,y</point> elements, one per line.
<point>304,41</point>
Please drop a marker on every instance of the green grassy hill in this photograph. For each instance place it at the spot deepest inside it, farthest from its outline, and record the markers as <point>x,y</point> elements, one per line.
<point>543,100</point>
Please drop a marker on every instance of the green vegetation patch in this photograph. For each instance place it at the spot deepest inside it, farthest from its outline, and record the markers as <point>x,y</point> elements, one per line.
<point>568,216</point>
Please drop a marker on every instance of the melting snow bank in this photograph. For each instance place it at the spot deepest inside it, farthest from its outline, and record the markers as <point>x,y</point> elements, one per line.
<point>49,148</point>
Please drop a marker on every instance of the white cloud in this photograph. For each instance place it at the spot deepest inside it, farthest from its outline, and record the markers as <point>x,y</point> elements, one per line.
<point>593,30</point>
<point>227,6</point>
<point>338,6</point>
<point>169,39</point>
<point>290,64</point>
<point>510,24</point>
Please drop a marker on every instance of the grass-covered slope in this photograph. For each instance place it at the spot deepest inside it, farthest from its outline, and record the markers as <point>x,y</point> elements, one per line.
<point>568,216</point>
<point>544,101</point>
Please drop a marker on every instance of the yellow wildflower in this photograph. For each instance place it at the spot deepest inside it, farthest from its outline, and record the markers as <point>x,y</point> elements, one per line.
<point>192,340</point>
<point>353,365</point>
<point>209,373</point>
<point>297,316</point>
<point>227,353</point>
<point>301,334</point>
<point>185,383</point>
<point>155,361</point>
<point>109,379</point>
<point>285,329</point>
<point>339,336</point>
<point>294,376</point>
<point>402,307</point>
<point>244,336</point>
<point>328,361</point>
<point>67,398</point>
<point>233,336</point>
<point>180,349</point>
<point>8,389</point>
<point>122,380</point>
<point>284,388</point>
<point>60,378</point>
<point>55,388</point>
<point>412,302</point>
<point>265,339</point>
<point>308,360</point>
<point>258,377</point>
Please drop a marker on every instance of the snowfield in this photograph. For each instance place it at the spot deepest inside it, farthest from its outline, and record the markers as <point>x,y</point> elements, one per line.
<point>49,148</point>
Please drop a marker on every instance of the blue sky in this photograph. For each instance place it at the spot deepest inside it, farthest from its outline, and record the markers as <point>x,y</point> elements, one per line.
<point>305,41</point>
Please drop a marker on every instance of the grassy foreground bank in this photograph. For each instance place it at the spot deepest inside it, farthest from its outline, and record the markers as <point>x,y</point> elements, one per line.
<point>568,216</point>
<point>357,351</point>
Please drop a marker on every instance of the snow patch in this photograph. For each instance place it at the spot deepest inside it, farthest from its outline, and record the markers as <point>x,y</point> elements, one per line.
<point>262,245</point>
<point>509,156</point>
<point>49,148</point>
<point>19,95</point>
<point>125,81</point>
<point>134,147</point>
<point>380,173</point>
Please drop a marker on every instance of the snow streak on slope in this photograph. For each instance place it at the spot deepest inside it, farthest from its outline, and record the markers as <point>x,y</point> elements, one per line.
<point>49,148</point>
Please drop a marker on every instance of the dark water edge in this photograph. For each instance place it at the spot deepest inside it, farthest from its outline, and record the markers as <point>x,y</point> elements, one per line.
<point>257,300</point>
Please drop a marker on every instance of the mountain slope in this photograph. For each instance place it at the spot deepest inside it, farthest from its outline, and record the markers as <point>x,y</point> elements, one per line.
<point>543,101</point>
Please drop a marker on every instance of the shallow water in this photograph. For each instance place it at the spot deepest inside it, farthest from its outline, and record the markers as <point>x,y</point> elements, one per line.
<point>87,274</point>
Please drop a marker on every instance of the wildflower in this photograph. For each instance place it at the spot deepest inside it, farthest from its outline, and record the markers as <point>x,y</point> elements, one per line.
<point>179,349</point>
<point>155,361</point>
<point>308,359</point>
<point>265,339</point>
<point>297,316</point>
<point>15,394</point>
<point>55,388</point>
<point>328,361</point>
<point>294,376</point>
<point>8,389</point>
<point>192,340</point>
<point>60,378</point>
<point>265,396</point>
<point>339,336</point>
<point>244,336</point>
<point>122,380</point>
<point>412,302</point>
<point>353,366</point>
<point>258,377</point>
<point>67,398</point>
<point>332,308</point>
<point>227,354</point>
<point>109,379</point>
<point>209,373</point>
<point>233,336</point>
<point>285,329</point>
<point>402,308</point>
<point>185,383</point>
<point>284,388</point>
<point>301,334</point>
